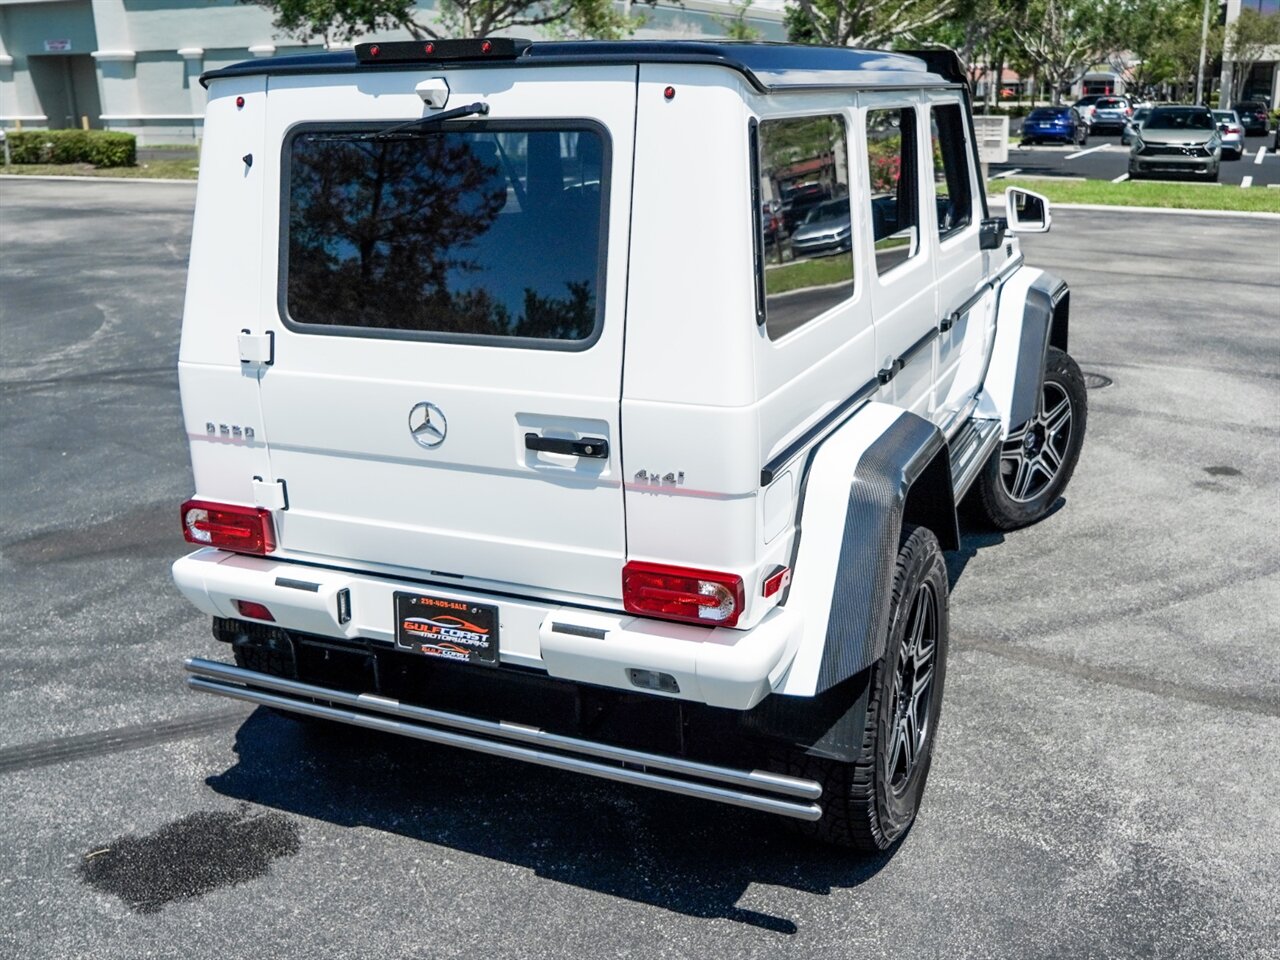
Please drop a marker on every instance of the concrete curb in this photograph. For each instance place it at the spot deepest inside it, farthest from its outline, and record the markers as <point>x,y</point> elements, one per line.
<point>1118,208</point>
<point>52,176</point>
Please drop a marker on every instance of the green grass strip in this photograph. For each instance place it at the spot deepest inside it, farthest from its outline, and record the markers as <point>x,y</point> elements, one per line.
<point>150,170</point>
<point>808,273</point>
<point>1148,193</point>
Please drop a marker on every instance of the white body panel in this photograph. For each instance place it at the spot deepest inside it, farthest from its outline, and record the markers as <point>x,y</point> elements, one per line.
<point>335,408</point>
<point>818,559</point>
<point>961,271</point>
<point>904,299</point>
<point>725,668</point>
<point>996,398</point>
<point>691,395</point>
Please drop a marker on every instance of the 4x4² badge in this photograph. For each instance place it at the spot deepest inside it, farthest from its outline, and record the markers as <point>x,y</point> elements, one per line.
<point>427,425</point>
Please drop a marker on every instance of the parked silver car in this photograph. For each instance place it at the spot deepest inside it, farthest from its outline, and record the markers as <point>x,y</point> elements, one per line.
<point>1139,117</point>
<point>1177,139</point>
<point>1231,132</point>
<point>827,228</point>
<point>1111,113</point>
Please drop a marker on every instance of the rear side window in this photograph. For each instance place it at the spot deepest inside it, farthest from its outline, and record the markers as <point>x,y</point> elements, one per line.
<point>951,170</point>
<point>804,224</point>
<point>891,159</point>
<point>492,231</point>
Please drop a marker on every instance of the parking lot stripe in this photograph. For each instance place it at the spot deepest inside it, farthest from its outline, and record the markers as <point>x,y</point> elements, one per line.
<point>1081,153</point>
<point>1007,173</point>
<point>1121,179</point>
<point>1247,182</point>
<point>1262,152</point>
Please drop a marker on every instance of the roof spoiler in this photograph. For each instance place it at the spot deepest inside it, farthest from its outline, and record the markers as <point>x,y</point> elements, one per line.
<point>943,61</point>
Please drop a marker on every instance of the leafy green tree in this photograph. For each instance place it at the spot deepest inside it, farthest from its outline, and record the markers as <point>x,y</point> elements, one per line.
<point>736,27</point>
<point>347,20</point>
<point>865,23</point>
<point>1062,39</point>
<point>1157,41</point>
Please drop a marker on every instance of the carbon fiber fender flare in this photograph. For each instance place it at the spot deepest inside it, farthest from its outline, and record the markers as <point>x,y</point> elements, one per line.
<point>905,471</point>
<point>1044,324</point>
<point>856,494</point>
<point>901,476</point>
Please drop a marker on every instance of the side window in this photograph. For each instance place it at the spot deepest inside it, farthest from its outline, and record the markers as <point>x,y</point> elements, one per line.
<point>895,206</point>
<point>951,170</point>
<point>804,233</point>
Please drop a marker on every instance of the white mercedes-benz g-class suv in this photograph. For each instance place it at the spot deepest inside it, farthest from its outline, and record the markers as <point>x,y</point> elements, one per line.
<point>607,406</point>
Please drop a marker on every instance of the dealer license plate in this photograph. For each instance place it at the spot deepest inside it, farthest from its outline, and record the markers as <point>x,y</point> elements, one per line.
<point>447,629</point>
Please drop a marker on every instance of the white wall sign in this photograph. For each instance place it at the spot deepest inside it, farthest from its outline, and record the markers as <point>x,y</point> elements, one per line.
<point>993,138</point>
<point>57,46</point>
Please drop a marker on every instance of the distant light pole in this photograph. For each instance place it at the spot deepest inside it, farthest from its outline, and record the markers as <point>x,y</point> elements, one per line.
<point>1204,43</point>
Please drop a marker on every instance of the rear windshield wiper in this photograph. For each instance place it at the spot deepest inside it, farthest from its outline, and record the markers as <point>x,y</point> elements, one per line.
<point>470,110</point>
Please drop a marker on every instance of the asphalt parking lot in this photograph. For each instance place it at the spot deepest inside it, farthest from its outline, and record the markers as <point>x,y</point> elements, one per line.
<point>1109,751</point>
<point>1105,158</point>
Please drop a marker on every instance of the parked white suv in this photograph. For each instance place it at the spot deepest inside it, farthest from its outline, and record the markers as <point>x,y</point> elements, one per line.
<point>510,432</point>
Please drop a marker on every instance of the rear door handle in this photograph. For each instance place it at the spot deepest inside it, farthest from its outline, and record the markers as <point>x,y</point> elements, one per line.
<point>595,447</point>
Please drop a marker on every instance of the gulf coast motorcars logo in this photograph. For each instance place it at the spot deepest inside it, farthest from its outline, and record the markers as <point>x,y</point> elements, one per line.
<point>447,637</point>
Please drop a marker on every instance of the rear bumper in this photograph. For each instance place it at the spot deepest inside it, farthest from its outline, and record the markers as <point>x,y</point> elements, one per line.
<point>735,669</point>
<point>753,789</point>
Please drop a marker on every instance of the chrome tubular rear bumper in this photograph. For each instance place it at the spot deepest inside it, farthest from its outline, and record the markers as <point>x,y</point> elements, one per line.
<point>754,789</point>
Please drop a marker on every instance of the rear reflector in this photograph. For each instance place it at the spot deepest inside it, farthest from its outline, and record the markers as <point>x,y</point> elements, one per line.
<point>679,593</point>
<point>228,527</point>
<point>254,611</point>
<point>777,580</point>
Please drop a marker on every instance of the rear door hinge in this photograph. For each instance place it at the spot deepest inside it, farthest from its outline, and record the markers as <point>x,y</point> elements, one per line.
<point>272,494</point>
<point>257,347</point>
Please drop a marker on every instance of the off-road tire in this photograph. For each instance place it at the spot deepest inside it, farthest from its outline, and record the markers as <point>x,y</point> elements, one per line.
<point>863,807</point>
<point>991,500</point>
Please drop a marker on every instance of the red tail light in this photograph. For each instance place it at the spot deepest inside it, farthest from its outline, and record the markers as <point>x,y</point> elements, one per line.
<point>253,610</point>
<point>678,593</point>
<point>229,527</point>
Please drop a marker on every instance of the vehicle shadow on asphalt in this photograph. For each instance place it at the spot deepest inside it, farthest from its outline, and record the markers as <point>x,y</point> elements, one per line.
<point>976,536</point>
<point>673,852</point>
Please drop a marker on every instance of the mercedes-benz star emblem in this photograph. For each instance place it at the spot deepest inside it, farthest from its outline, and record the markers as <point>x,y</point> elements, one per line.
<point>427,425</point>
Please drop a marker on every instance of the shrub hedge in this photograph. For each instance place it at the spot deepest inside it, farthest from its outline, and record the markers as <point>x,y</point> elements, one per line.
<point>102,148</point>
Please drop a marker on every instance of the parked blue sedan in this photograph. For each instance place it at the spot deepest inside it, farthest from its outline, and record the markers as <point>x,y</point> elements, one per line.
<point>1060,124</point>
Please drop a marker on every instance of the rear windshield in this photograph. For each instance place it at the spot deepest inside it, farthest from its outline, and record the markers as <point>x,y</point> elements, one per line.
<point>1224,116</point>
<point>490,230</point>
<point>1047,114</point>
<point>1109,104</point>
<point>1179,118</point>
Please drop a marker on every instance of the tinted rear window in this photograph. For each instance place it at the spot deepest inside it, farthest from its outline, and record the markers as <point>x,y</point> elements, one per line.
<point>1043,114</point>
<point>492,230</point>
<point>1109,104</point>
<point>1179,118</point>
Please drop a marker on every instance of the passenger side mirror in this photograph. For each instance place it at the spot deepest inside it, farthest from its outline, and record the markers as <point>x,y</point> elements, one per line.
<point>1027,212</point>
